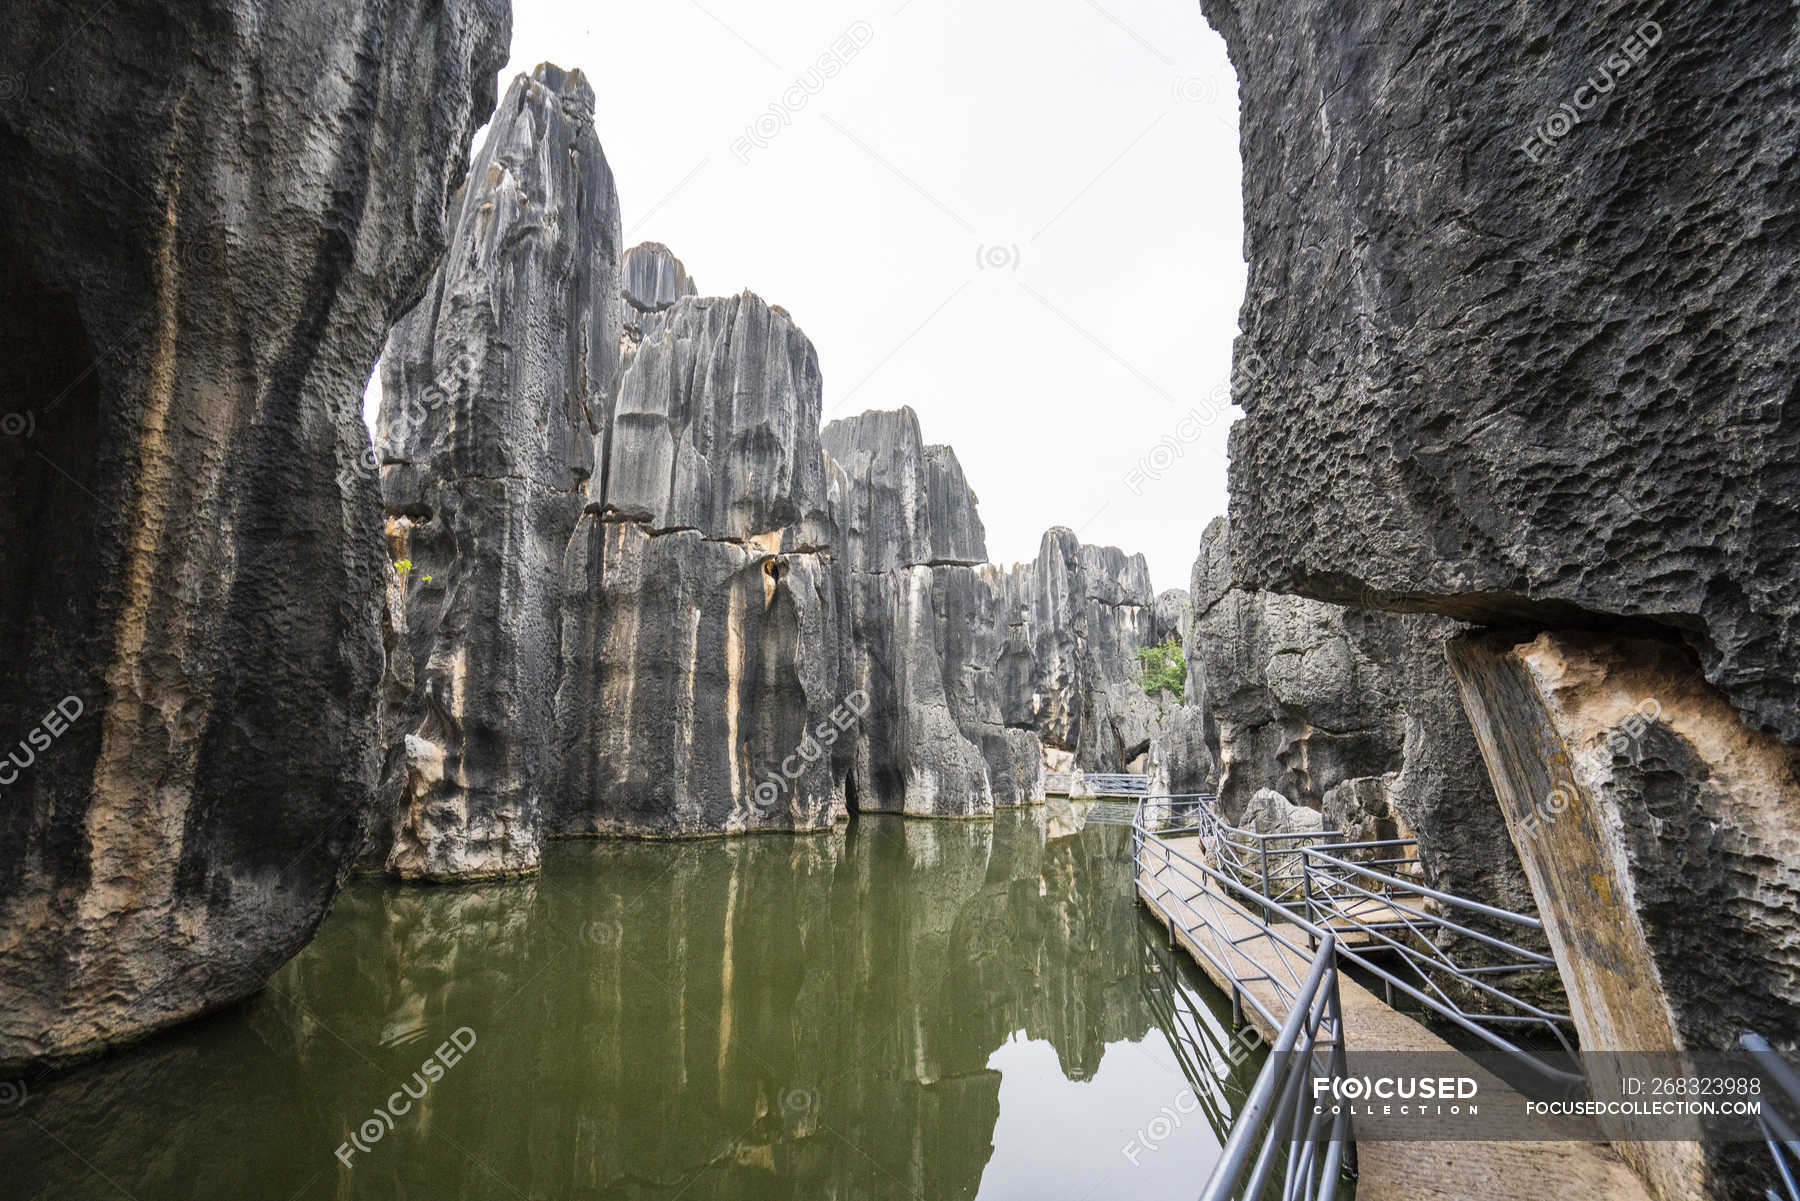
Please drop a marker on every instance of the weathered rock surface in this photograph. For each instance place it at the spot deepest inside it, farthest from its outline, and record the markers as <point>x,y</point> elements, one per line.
<point>1518,379</point>
<point>651,280</point>
<point>968,604</point>
<point>495,393</point>
<point>699,617</point>
<point>716,428</point>
<point>1082,612</point>
<point>1173,614</point>
<point>1339,709</point>
<point>1658,831</point>
<point>214,210</point>
<point>1531,339</point>
<point>908,503</point>
<point>699,691</point>
<point>922,627</point>
<point>1181,761</point>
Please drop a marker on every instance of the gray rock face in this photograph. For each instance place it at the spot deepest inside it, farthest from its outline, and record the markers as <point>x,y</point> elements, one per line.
<point>716,428</point>
<point>1518,377</point>
<point>699,690</point>
<point>495,393</point>
<point>922,629</point>
<point>908,503</point>
<point>1538,373</point>
<point>1172,616</point>
<point>214,210</point>
<point>1182,761</point>
<point>969,604</point>
<point>1083,611</point>
<point>1336,709</point>
<point>699,616</point>
<point>651,280</point>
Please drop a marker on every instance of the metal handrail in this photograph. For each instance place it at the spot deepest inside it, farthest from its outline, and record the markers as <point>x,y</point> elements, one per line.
<point>1098,784</point>
<point>1277,1109</point>
<point>1411,933</point>
<point>1405,929</point>
<point>1208,935</point>
<point>1117,783</point>
<point>1280,1114</point>
<point>1784,1147</point>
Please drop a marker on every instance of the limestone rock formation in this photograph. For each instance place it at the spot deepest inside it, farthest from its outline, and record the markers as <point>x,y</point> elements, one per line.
<point>716,429</point>
<point>1083,611</point>
<point>699,614</point>
<point>651,280</point>
<point>214,210</point>
<point>908,504</point>
<point>1172,616</point>
<point>1658,831</point>
<point>921,628</point>
<point>1340,710</point>
<point>495,392</point>
<point>1517,376</point>
<point>1524,372</point>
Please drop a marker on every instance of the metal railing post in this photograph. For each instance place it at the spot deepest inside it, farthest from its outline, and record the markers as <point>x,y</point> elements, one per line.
<point>1340,1067</point>
<point>1268,897</point>
<point>1312,940</point>
<point>1783,1145</point>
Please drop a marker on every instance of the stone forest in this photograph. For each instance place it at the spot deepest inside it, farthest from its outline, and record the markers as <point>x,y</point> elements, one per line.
<point>613,721</point>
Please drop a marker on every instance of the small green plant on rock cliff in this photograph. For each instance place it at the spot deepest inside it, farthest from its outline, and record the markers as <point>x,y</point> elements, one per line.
<point>1164,668</point>
<point>402,566</point>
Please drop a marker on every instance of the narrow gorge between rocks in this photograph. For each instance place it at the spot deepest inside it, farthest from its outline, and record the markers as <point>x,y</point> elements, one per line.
<point>449,646</point>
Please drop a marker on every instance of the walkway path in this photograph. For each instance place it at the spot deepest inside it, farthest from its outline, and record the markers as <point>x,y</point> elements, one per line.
<point>1388,1171</point>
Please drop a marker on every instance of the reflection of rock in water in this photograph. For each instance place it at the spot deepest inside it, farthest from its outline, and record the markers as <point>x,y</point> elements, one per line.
<point>749,1018</point>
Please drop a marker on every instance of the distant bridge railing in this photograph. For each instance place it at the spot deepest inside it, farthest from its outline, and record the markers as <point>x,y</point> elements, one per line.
<point>1097,784</point>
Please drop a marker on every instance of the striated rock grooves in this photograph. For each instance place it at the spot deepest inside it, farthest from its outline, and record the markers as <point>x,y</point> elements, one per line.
<point>920,629</point>
<point>495,390</point>
<point>1529,374</point>
<point>716,429</point>
<point>651,280</point>
<point>1172,616</point>
<point>1083,612</point>
<point>700,686</point>
<point>214,209</point>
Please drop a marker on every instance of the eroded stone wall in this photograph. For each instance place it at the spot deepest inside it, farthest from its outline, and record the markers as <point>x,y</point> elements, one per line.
<point>1528,324</point>
<point>496,392</point>
<point>214,211</point>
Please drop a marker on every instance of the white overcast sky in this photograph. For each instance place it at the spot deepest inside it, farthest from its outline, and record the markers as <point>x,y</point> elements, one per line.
<point>1023,220</point>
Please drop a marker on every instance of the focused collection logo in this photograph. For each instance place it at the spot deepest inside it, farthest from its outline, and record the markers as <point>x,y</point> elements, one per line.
<point>1395,1096</point>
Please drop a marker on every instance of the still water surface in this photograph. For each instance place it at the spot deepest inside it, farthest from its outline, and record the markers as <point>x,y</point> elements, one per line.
<point>911,1010</point>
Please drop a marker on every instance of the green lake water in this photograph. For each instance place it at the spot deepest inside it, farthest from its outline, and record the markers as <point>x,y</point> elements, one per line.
<point>904,1009</point>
